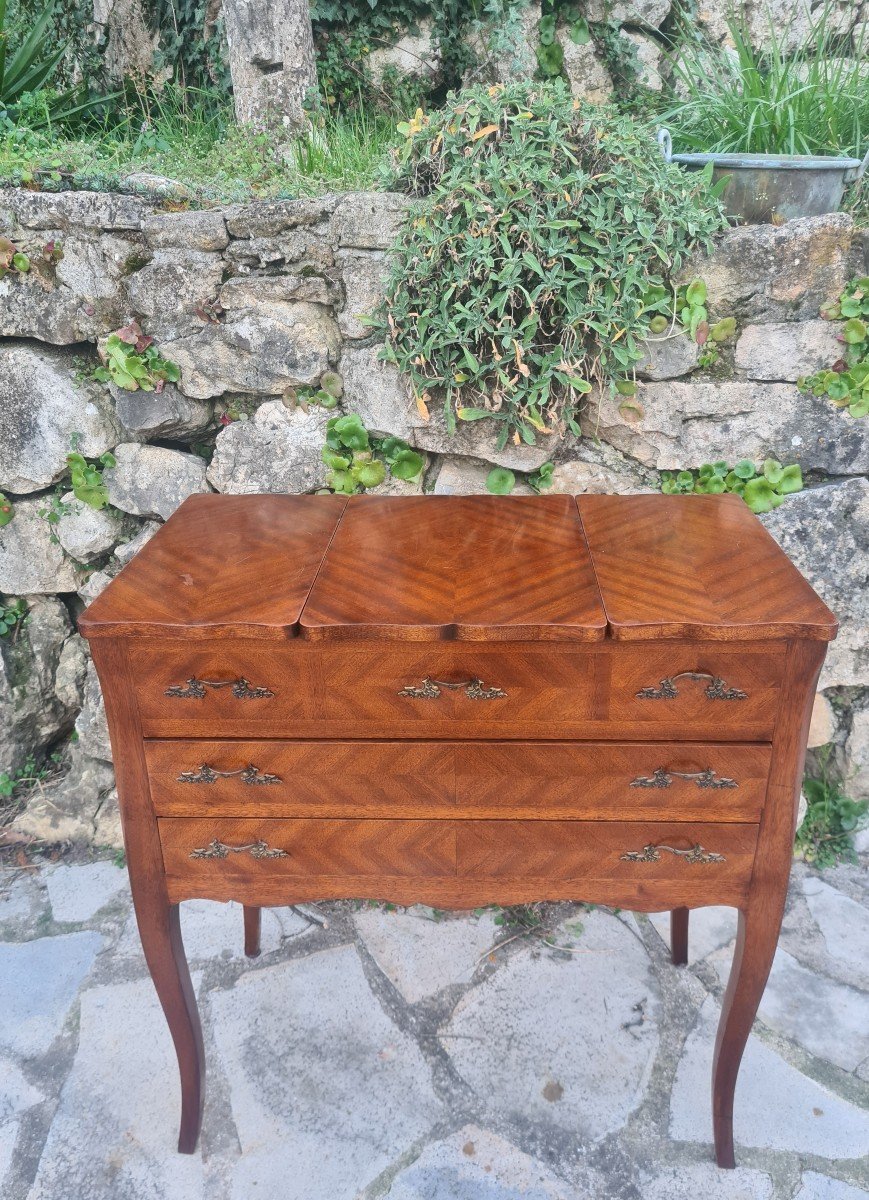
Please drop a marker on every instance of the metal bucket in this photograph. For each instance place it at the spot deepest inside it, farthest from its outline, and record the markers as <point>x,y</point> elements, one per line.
<point>762,188</point>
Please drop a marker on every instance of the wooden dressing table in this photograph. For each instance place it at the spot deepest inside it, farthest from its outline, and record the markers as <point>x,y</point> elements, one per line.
<point>460,701</point>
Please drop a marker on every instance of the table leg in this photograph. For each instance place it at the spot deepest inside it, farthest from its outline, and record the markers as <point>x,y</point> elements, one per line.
<point>679,936</point>
<point>252,927</point>
<point>160,931</point>
<point>756,938</point>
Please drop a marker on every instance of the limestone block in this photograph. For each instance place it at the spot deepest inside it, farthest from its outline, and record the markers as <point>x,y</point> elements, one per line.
<point>44,407</point>
<point>151,481</point>
<point>278,450</point>
<point>31,558</point>
<point>786,350</point>
<point>42,674</point>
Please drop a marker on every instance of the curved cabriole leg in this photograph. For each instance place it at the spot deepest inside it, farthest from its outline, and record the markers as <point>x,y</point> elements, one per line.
<point>679,936</point>
<point>252,927</point>
<point>160,931</point>
<point>756,939</point>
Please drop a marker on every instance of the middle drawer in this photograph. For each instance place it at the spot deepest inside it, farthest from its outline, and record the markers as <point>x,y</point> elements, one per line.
<point>591,780</point>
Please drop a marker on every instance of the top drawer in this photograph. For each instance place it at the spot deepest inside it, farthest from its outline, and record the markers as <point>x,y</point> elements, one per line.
<point>564,691</point>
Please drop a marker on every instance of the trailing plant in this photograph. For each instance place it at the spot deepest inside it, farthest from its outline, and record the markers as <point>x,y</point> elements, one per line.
<point>86,479</point>
<point>778,99</point>
<point>826,834</point>
<point>358,461</point>
<point>846,382</point>
<point>521,278</point>
<point>12,614</point>
<point>132,362</point>
<point>762,489</point>
<point>7,512</point>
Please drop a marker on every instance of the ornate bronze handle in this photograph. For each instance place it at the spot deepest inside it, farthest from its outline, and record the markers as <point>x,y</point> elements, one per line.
<point>194,689</point>
<point>652,853</point>
<point>217,849</point>
<point>667,690</point>
<point>662,778</point>
<point>249,775</point>
<point>430,689</point>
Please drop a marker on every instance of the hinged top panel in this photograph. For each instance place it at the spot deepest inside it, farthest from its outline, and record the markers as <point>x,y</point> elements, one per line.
<point>699,567</point>
<point>470,568</point>
<point>221,565</point>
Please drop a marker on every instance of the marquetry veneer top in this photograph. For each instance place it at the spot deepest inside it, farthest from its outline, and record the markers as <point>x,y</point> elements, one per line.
<point>467,568</point>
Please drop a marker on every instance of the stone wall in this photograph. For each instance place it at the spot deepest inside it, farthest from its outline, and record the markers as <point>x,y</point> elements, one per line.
<point>253,301</point>
<point>632,40</point>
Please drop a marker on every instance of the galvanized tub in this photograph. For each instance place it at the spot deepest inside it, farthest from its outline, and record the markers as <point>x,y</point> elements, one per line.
<point>762,188</point>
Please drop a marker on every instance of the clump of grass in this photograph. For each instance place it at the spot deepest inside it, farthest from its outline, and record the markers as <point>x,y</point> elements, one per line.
<point>826,835</point>
<point>191,136</point>
<point>808,99</point>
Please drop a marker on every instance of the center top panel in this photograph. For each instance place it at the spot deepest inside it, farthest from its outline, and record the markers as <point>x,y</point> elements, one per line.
<point>465,568</point>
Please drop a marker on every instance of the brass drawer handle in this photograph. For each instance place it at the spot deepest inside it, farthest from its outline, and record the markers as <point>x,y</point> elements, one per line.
<point>194,689</point>
<point>217,849</point>
<point>652,853</point>
<point>430,689</point>
<point>662,778</point>
<point>667,690</point>
<point>249,775</point>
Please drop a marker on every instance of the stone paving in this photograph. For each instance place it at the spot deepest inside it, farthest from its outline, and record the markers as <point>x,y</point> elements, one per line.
<point>374,1054</point>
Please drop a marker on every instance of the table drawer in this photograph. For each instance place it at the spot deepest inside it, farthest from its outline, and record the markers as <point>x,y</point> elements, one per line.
<point>365,689</point>
<point>641,865</point>
<point>677,690</point>
<point>633,781</point>
<point>673,688</point>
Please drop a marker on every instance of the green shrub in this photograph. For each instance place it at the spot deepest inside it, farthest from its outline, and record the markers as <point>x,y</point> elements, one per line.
<point>541,247</point>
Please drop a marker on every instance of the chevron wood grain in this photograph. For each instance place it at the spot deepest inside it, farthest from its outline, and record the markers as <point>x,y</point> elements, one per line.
<point>479,568</point>
<point>353,848</point>
<point>579,849</point>
<point>221,565</point>
<point>448,779</point>
<point>696,567</point>
<point>357,690</point>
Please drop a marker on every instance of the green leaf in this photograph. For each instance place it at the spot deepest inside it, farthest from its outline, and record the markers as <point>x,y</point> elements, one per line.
<point>759,495</point>
<point>473,414</point>
<point>21,262</point>
<point>336,461</point>
<point>853,331</point>
<point>791,480</point>
<point>744,469</point>
<point>695,292</point>
<point>723,330</point>
<point>407,465</point>
<point>369,474</point>
<point>500,481</point>
<point>773,471</point>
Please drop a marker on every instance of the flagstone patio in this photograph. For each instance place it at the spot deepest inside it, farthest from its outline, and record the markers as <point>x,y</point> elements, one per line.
<point>372,1053</point>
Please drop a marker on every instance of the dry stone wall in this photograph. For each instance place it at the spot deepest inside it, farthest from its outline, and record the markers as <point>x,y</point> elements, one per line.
<point>256,299</point>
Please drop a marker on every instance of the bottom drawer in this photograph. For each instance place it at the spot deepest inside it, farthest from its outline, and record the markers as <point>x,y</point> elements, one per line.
<point>635,864</point>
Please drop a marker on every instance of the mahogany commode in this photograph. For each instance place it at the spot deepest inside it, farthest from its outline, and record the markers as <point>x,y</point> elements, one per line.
<point>460,701</point>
